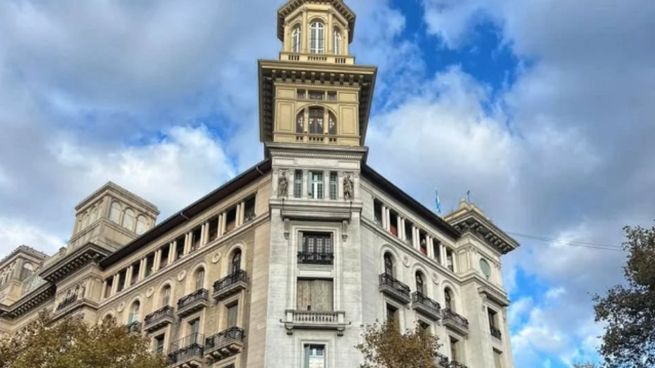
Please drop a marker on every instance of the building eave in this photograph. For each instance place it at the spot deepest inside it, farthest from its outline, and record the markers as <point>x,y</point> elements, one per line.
<point>232,186</point>
<point>410,202</point>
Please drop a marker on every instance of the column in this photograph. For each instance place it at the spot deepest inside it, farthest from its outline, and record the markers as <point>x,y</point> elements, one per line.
<point>387,215</point>
<point>157,261</point>
<point>204,234</point>
<point>305,181</point>
<point>142,269</point>
<point>187,244</point>
<point>171,252</point>
<point>398,222</point>
<point>114,285</point>
<point>401,228</point>
<point>305,33</point>
<point>326,184</point>
<point>428,244</point>
<point>442,249</point>
<point>329,47</point>
<point>384,217</point>
<point>416,236</point>
<point>104,289</point>
<point>221,221</point>
<point>128,277</point>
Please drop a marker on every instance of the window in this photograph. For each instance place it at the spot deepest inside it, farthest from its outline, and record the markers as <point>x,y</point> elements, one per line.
<point>249,209</point>
<point>121,279</point>
<point>134,313</point>
<point>333,185</point>
<point>110,285</point>
<point>448,298</point>
<point>150,264</point>
<point>436,250</point>
<point>300,122</point>
<point>388,264</point>
<point>231,219</point>
<point>232,315</point>
<point>129,219</point>
<point>423,243</point>
<point>200,278</point>
<point>393,223</point>
<point>332,124</point>
<point>159,344</point>
<point>409,232</point>
<point>195,238</point>
<point>317,41</point>
<point>498,359</point>
<point>455,350</point>
<point>236,261</point>
<point>316,120</point>
<point>392,313</point>
<point>163,262</point>
<point>425,327</point>
<point>136,268</point>
<point>194,331</point>
<point>166,296</point>
<point>301,94</point>
<point>377,212</point>
<point>316,95</point>
<point>493,323</point>
<point>450,261</point>
<point>316,185</point>
<point>297,184</point>
<point>179,247</point>
<point>336,42</point>
<point>314,356</point>
<point>420,285</point>
<point>316,248</point>
<point>314,295</point>
<point>141,225</point>
<point>213,228</point>
<point>296,36</point>
<point>115,212</point>
<point>332,96</point>
<point>485,267</point>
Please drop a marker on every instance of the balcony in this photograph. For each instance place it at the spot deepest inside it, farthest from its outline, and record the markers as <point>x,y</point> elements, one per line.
<point>230,284</point>
<point>442,360</point>
<point>159,318</point>
<point>455,321</point>
<point>315,258</point>
<point>313,320</point>
<point>394,288</point>
<point>495,332</point>
<point>224,344</point>
<point>193,302</point>
<point>187,352</point>
<point>134,327</point>
<point>425,305</point>
<point>317,58</point>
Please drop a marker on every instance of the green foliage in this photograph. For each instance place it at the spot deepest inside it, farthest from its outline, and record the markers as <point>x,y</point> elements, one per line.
<point>629,310</point>
<point>71,343</point>
<point>385,346</point>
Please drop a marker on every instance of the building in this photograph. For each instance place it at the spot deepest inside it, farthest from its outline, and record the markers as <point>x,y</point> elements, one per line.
<point>282,265</point>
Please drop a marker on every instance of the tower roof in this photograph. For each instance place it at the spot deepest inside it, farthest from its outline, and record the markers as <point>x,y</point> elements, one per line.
<point>292,5</point>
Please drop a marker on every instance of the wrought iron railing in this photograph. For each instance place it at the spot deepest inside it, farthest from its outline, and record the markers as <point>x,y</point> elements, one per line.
<point>232,334</point>
<point>316,257</point>
<point>390,281</point>
<point>495,332</point>
<point>449,314</point>
<point>442,360</point>
<point>200,294</point>
<point>159,314</point>
<point>194,339</point>
<point>186,348</point>
<point>229,280</point>
<point>134,327</point>
<point>420,298</point>
<point>455,364</point>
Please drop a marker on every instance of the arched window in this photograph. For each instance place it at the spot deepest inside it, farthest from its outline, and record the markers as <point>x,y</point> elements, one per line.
<point>166,296</point>
<point>448,298</point>
<point>336,40</point>
<point>296,36</point>
<point>388,264</point>
<point>129,219</point>
<point>200,278</point>
<point>141,225</point>
<point>332,124</point>
<point>300,122</point>
<point>134,312</point>
<point>317,41</point>
<point>236,261</point>
<point>115,212</point>
<point>420,285</point>
<point>316,120</point>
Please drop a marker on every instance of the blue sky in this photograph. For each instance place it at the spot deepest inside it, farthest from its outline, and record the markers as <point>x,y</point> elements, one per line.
<point>543,109</point>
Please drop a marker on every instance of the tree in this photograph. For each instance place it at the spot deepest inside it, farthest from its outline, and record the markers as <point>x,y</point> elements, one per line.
<point>71,343</point>
<point>385,346</point>
<point>629,310</point>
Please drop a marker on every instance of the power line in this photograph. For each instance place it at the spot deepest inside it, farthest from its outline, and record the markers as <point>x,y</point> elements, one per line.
<point>572,243</point>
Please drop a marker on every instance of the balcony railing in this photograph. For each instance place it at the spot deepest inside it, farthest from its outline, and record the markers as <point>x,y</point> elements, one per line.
<point>315,320</point>
<point>322,58</point>
<point>454,320</point>
<point>187,352</point>
<point>323,258</point>
<point>159,319</point>
<point>495,332</point>
<point>455,364</point>
<point>442,360</point>
<point>224,344</point>
<point>134,327</point>
<point>230,284</point>
<point>193,302</point>
<point>394,288</point>
<point>425,305</point>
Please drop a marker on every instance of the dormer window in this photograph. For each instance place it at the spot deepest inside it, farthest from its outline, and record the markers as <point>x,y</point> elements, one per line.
<point>296,36</point>
<point>336,41</point>
<point>317,41</point>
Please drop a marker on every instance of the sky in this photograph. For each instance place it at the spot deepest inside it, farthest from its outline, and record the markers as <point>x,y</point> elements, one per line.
<point>543,109</point>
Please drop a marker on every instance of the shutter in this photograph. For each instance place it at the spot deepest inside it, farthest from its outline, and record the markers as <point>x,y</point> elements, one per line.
<point>303,297</point>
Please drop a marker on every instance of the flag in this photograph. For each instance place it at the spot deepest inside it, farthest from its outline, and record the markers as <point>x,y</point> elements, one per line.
<point>437,201</point>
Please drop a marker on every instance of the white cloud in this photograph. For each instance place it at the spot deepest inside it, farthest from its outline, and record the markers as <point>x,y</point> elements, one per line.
<point>14,233</point>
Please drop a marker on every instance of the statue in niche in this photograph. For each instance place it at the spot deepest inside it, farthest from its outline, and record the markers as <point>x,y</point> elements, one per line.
<point>348,188</point>
<point>283,185</point>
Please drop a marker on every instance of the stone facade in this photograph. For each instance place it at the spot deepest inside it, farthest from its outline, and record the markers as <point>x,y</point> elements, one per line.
<point>281,266</point>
